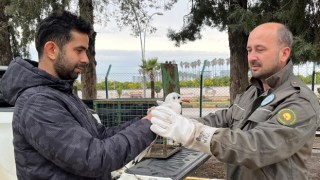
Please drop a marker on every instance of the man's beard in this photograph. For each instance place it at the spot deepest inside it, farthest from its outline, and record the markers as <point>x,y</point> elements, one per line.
<point>266,73</point>
<point>64,69</point>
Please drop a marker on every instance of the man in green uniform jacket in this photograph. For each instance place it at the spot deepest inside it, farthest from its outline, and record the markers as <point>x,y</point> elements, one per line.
<point>269,130</point>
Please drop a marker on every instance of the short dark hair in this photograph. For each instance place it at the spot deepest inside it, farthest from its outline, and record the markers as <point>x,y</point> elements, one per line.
<point>57,28</point>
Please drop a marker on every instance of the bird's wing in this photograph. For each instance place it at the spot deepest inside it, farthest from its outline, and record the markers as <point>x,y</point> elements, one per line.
<point>176,107</point>
<point>159,102</point>
<point>166,104</point>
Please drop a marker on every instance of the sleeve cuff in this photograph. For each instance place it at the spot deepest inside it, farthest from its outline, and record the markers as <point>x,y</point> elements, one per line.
<point>202,138</point>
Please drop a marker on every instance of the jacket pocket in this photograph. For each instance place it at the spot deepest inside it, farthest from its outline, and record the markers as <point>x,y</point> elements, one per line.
<point>237,116</point>
<point>260,115</point>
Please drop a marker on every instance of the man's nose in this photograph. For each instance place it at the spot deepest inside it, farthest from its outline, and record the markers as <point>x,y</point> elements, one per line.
<point>252,56</point>
<point>85,59</point>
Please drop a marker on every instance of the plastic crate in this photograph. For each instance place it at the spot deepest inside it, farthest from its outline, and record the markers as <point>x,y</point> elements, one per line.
<point>113,112</point>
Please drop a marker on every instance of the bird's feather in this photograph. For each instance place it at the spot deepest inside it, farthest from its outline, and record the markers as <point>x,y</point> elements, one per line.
<point>171,101</point>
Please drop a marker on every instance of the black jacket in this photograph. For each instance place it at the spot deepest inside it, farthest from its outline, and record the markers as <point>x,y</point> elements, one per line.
<point>56,137</point>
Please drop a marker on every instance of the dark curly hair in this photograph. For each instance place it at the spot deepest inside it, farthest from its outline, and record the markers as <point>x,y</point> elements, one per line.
<point>57,28</point>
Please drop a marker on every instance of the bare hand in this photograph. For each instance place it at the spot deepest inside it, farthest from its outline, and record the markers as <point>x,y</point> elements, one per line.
<point>149,116</point>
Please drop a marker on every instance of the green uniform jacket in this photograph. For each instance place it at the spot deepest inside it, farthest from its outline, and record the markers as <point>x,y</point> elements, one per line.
<point>267,135</point>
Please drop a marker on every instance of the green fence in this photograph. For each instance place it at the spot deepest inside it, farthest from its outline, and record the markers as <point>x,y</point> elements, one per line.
<point>113,112</point>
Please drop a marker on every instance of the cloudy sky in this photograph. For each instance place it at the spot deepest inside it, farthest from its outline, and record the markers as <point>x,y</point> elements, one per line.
<point>121,50</point>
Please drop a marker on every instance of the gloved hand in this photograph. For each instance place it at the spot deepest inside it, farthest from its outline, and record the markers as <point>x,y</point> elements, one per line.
<point>190,133</point>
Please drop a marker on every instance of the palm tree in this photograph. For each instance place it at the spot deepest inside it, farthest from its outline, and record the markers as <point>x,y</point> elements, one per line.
<point>181,65</point>
<point>194,68</point>
<point>214,62</point>
<point>199,63</point>
<point>221,63</point>
<point>186,66</point>
<point>207,64</point>
<point>228,62</point>
<point>150,66</point>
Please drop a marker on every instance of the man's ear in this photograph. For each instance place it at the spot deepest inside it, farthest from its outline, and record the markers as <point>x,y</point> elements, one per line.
<point>51,50</point>
<point>285,53</point>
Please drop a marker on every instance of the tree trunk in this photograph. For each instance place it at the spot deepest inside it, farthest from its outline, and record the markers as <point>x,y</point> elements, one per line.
<point>152,86</point>
<point>88,76</point>
<point>238,63</point>
<point>238,56</point>
<point>5,47</point>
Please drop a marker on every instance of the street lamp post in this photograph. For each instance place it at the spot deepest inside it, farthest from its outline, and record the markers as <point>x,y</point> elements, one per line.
<point>143,47</point>
<point>145,32</point>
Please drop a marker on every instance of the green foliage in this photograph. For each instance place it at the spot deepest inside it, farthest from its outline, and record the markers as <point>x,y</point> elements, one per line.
<point>240,17</point>
<point>317,78</point>
<point>210,82</point>
<point>24,17</point>
<point>303,51</point>
<point>150,65</point>
<point>78,85</point>
<point>115,85</point>
<point>101,85</point>
<point>306,80</point>
<point>112,85</point>
<point>157,88</point>
<point>302,18</point>
<point>119,92</point>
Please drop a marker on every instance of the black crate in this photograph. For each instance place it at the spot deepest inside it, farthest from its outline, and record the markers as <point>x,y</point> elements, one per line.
<point>113,112</point>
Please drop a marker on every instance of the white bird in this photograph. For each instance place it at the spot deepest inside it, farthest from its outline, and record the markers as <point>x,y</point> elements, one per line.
<point>172,101</point>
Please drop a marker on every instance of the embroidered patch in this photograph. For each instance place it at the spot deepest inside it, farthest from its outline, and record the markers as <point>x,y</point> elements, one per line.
<point>287,117</point>
<point>268,100</point>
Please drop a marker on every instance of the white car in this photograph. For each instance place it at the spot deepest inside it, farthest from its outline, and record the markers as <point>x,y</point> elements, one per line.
<point>7,163</point>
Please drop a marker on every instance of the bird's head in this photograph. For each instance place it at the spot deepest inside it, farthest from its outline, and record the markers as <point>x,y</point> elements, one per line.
<point>174,97</point>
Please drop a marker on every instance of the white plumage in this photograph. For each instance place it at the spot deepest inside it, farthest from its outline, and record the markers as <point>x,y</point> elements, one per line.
<point>171,101</point>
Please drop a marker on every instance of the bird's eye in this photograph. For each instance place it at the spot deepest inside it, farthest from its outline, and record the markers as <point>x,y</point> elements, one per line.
<point>178,97</point>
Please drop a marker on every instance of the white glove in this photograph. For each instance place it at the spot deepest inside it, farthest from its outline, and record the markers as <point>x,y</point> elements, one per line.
<point>190,133</point>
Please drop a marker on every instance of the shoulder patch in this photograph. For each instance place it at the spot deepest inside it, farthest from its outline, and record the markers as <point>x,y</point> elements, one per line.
<point>268,99</point>
<point>287,117</point>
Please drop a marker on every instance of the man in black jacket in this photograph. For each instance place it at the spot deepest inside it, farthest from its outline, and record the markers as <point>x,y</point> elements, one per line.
<point>55,136</point>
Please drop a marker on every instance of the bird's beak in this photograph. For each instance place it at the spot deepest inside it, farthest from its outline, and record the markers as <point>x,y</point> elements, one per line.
<point>185,100</point>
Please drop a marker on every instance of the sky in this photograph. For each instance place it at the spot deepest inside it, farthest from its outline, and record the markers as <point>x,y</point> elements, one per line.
<point>122,51</point>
